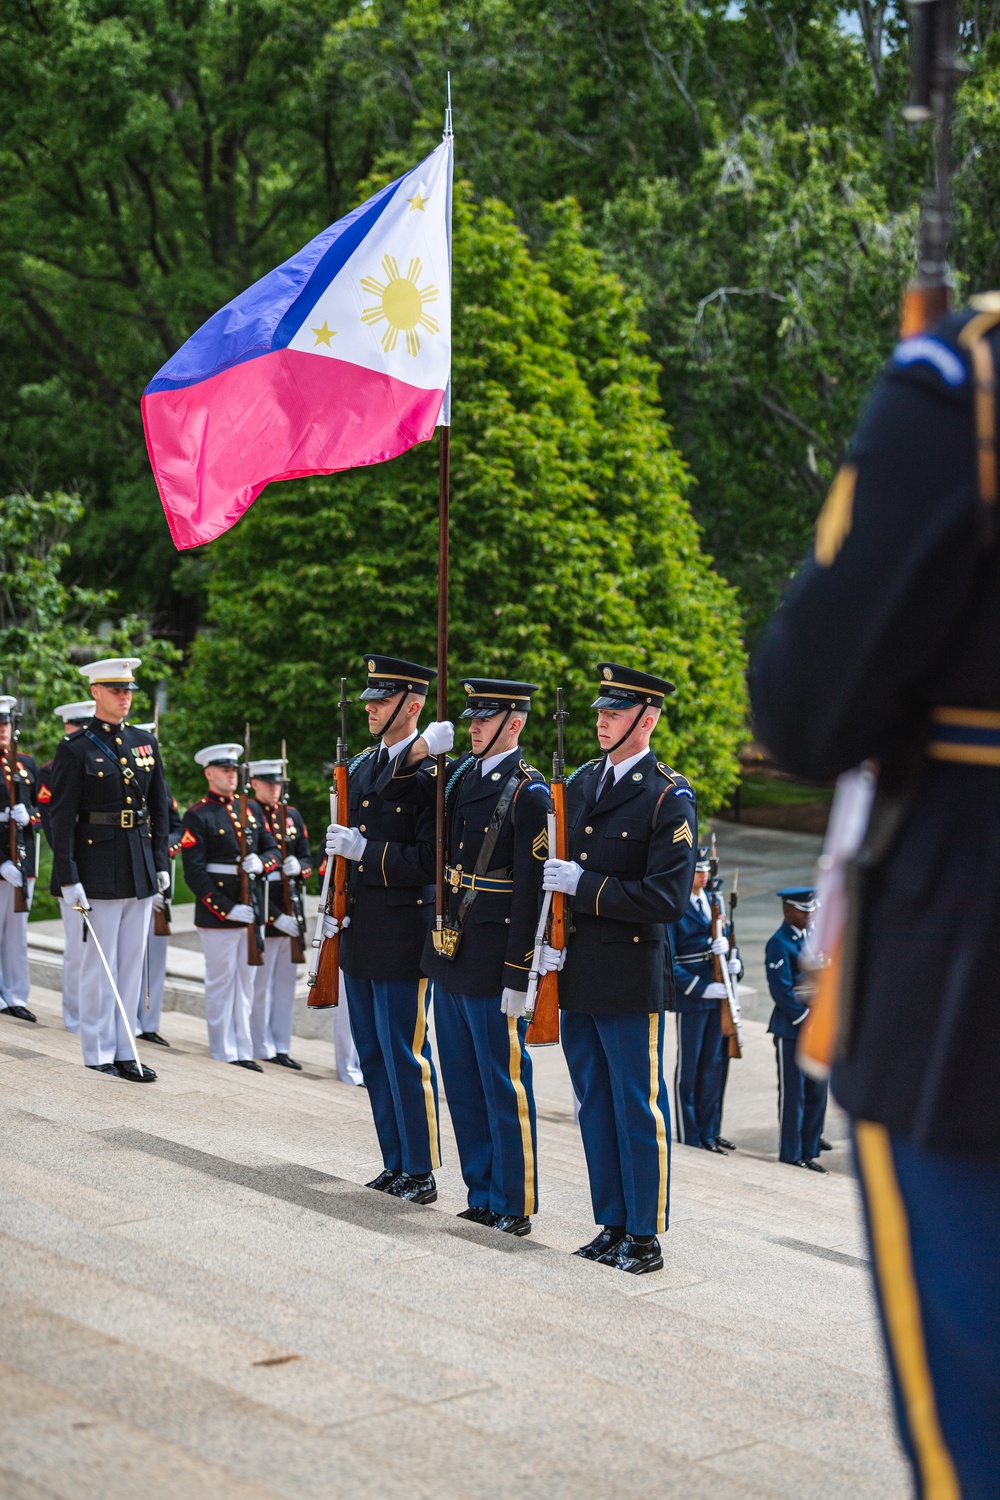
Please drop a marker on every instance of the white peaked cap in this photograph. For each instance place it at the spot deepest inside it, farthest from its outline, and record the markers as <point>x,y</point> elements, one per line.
<point>6,704</point>
<point>149,728</point>
<point>115,670</point>
<point>75,710</point>
<point>265,768</point>
<point>225,754</point>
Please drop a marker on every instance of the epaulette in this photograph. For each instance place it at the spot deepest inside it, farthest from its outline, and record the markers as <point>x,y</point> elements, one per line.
<point>682,787</point>
<point>365,754</point>
<point>532,773</point>
<point>585,767</point>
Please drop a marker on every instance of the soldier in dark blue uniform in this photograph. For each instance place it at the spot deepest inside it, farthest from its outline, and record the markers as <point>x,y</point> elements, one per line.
<point>157,944</point>
<point>390,846</point>
<point>274,982</point>
<point>109,819</point>
<point>886,648</point>
<point>801,1098</point>
<point>632,828</point>
<point>74,717</point>
<point>497,807</point>
<point>700,1074</point>
<point>15,980</point>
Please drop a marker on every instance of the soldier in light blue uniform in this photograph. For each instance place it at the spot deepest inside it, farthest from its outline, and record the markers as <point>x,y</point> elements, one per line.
<point>801,1099</point>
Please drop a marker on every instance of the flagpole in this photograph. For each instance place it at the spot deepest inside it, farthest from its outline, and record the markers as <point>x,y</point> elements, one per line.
<point>444,508</point>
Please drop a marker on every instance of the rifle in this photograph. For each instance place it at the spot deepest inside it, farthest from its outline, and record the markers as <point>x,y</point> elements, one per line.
<point>249,885</point>
<point>324,977</point>
<point>291,891</point>
<point>729,1005</point>
<point>15,833</point>
<point>542,1009</point>
<point>161,915</point>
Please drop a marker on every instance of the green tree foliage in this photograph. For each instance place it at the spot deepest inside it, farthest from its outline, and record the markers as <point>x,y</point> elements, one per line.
<point>572,540</point>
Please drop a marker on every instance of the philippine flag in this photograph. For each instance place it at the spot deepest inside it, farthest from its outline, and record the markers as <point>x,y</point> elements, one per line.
<point>340,357</point>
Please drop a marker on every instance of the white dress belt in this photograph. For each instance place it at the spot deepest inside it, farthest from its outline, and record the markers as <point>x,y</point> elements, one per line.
<point>223,869</point>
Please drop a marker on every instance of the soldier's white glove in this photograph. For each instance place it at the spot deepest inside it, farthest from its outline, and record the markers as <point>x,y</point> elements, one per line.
<point>159,902</point>
<point>562,875</point>
<point>330,925</point>
<point>552,960</point>
<point>720,945</point>
<point>735,966</point>
<point>292,866</point>
<point>240,914</point>
<point>253,865</point>
<point>715,991</point>
<point>163,881</point>
<point>11,873</point>
<point>75,895</point>
<point>286,925</point>
<point>347,843</point>
<point>512,1003</point>
<point>20,814</point>
<point>439,737</point>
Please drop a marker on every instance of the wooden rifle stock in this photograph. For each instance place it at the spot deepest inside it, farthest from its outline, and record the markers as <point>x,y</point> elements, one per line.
<point>298,952</point>
<point>16,855</point>
<point>324,981</point>
<point>727,1018</point>
<point>255,956</point>
<point>543,1028</point>
<point>161,920</point>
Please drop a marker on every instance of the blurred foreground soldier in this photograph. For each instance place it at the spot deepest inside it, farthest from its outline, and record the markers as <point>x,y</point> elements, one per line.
<point>109,819</point>
<point>151,998</point>
<point>801,1099</point>
<point>632,825</point>
<point>20,775</point>
<point>210,849</point>
<point>274,982</point>
<point>700,1073</point>
<point>496,812</point>
<point>390,849</point>
<point>74,716</point>
<point>885,648</point>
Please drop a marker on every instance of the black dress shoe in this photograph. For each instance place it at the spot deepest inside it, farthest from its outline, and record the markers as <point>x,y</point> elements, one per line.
<point>152,1036</point>
<point>414,1189</point>
<point>814,1166</point>
<point>609,1238</point>
<point>713,1146</point>
<point>19,1012</point>
<point>383,1182</point>
<point>512,1224</point>
<point>720,1140</point>
<point>284,1061</point>
<point>108,1068</point>
<point>478,1216</point>
<point>824,1144</point>
<point>128,1070</point>
<point>247,1062</point>
<point>635,1255</point>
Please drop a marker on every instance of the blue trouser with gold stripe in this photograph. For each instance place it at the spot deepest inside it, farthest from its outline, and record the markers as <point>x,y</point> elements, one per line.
<point>801,1105</point>
<point>389,1025</point>
<point>486,1073</point>
<point>616,1064</point>
<point>933,1223</point>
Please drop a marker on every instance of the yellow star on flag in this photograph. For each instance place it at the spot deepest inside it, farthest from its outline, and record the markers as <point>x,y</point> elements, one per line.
<point>324,335</point>
<point>417,202</point>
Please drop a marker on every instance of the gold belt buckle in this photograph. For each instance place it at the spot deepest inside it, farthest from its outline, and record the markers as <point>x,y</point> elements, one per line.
<point>455,877</point>
<point>128,817</point>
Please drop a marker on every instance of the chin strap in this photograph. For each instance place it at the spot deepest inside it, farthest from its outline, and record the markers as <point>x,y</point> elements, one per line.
<point>392,718</point>
<point>618,744</point>
<point>500,728</point>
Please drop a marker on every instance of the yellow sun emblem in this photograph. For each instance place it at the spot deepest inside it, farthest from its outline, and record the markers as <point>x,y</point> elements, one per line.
<point>401,305</point>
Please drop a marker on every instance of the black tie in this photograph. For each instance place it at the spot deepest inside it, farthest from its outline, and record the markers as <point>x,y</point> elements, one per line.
<point>609,780</point>
<point>381,760</point>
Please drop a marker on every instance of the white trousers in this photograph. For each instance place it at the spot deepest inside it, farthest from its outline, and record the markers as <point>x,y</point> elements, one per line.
<point>72,959</point>
<point>273,999</point>
<point>15,981</point>
<point>228,993</point>
<point>156,973</point>
<point>121,928</point>
<point>344,1050</point>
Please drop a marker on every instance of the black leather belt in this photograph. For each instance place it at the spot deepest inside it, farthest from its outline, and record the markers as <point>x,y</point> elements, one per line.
<point>127,818</point>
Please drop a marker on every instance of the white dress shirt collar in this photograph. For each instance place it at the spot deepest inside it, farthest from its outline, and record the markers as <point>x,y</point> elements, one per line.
<point>492,761</point>
<point>622,766</point>
<point>397,749</point>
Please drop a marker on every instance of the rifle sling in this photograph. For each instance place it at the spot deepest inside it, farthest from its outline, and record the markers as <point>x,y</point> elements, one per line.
<point>489,843</point>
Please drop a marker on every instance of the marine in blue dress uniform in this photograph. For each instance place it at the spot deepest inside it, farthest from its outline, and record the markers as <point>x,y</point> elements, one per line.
<point>390,846</point>
<point>631,825</point>
<point>74,717</point>
<point>497,807</point>
<point>702,1058</point>
<point>801,1098</point>
<point>15,980</point>
<point>886,648</point>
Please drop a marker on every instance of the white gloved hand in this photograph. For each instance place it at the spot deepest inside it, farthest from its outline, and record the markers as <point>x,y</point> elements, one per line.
<point>720,945</point>
<point>11,873</point>
<point>735,966</point>
<point>330,925</point>
<point>552,960</point>
<point>240,914</point>
<point>253,865</point>
<point>715,991</point>
<point>75,895</point>
<point>292,866</point>
<point>347,843</point>
<point>439,737</point>
<point>159,902</point>
<point>286,925</point>
<point>163,881</point>
<point>512,1003</point>
<point>20,814</point>
<point>561,875</point>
